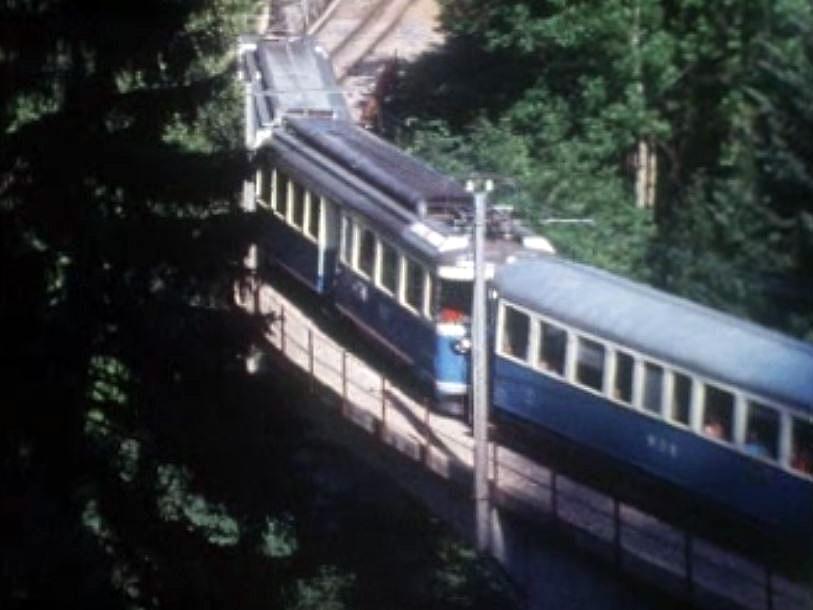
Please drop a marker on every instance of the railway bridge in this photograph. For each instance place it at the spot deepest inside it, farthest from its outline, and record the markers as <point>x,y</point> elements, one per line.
<point>430,454</point>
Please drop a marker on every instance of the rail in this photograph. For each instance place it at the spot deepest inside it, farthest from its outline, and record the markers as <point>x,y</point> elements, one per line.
<point>631,538</point>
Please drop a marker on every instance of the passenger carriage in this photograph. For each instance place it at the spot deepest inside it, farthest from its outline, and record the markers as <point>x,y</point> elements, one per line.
<point>717,406</point>
<point>383,236</point>
<point>376,232</point>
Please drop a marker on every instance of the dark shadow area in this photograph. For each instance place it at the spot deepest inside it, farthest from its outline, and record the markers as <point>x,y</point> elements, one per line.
<point>458,83</point>
<point>140,466</point>
<point>691,514</point>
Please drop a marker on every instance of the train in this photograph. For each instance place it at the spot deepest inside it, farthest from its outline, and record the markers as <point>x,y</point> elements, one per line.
<point>710,405</point>
<point>382,235</point>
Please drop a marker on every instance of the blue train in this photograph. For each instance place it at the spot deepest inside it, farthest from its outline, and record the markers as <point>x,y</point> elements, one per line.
<point>383,237</point>
<point>709,404</point>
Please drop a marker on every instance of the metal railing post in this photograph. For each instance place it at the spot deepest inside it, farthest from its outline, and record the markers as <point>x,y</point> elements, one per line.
<point>687,559</point>
<point>310,357</point>
<point>617,532</point>
<point>427,448</point>
<point>282,329</point>
<point>383,426</point>
<point>495,466</point>
<point>344,382</point>
<point>554,498</point>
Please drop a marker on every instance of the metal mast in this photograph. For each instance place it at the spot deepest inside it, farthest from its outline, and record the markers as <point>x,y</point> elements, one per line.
<point>479,363</point>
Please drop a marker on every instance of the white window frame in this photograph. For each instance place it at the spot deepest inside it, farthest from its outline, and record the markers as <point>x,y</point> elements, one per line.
<point>346,225</point>
<point>805,419</point>
<point>379,266</point>
<point>668,398</point>
<point>292,185</point>
<point>360,228</point>
<point>259,181</point>
<point>500,335</point>
<point>310,197</point>
<point>575,379</point>
<point>285,194</point>
<point>422,311</point>
<point>536,344</point>
<point>698,383</point>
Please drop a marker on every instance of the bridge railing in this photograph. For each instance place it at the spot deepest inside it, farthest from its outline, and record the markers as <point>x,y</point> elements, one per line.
<point>631,538</point>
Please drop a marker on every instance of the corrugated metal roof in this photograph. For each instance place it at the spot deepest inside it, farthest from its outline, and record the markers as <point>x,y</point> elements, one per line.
<point>666,327</point>
<point>294,76</point>
<point>403,177</point>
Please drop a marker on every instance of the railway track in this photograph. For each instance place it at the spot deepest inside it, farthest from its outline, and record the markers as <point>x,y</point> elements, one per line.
<point>365,39</point>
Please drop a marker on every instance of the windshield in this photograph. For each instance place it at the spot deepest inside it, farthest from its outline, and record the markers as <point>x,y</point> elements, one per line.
<point>455,301</point>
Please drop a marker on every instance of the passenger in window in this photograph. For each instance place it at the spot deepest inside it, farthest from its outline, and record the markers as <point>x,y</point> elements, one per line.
<point>714,429</point>
<point>802,461</point>
<point>801,454</point>
<point>756,446</point>
<point>719,413</point>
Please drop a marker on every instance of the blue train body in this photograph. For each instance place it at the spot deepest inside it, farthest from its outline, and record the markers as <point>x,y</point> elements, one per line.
<point>301,257</point>
<point>408,336</point>
<point>710,404</point>
<point>743,485</point>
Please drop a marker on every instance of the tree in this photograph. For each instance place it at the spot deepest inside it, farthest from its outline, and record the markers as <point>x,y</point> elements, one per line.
<point>140,466</point>
<point>679,103</point>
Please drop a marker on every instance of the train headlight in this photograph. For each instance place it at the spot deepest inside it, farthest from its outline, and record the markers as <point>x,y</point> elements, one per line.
<point>462,346</point>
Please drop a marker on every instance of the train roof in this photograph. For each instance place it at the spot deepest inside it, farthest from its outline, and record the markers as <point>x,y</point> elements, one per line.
<point>426,211</point>
<point>289,77</point>
<point>411,182</point>
<point>340,181</point>
<point>666,327</point>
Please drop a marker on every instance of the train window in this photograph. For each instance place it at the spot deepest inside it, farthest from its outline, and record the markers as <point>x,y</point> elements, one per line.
<point>801,450</point>
<point>263,188</point>
<point>762,431</point>
<point>429,304</point>
<point>347,240</point>
<point>455,301</point>
<point>622,384</point>
<point>281,194</point>
<point>718,415</point>
<point>590,363</point>
<point>653,387</point>
<point>298,205</point>
<point>681,399</point>
<point>314,214</point>
<point>389,268</point>
<point>415,285</point>
<point>366,262</point>
<point>552,346</point>
<point>515,331</point>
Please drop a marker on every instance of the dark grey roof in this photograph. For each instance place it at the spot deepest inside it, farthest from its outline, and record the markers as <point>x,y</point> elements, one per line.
<point>403,177</point>
<point>293,158</point>
<point>672,329</point>
<point>292,76</point>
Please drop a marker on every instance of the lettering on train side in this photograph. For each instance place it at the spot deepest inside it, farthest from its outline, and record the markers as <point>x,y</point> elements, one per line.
<point>662,445</point>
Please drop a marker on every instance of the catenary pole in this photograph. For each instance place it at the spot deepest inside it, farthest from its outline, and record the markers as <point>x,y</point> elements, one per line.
<point>479,360</point>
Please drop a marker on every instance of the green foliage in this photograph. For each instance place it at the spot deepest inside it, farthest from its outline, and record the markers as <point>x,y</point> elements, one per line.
<point>144,470</point>
<point>176,502</point>
<point>464,581</point>
<point>720,91</point>
<point>324,591</point>
<point>108,377</point>
<point>279,537</point>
